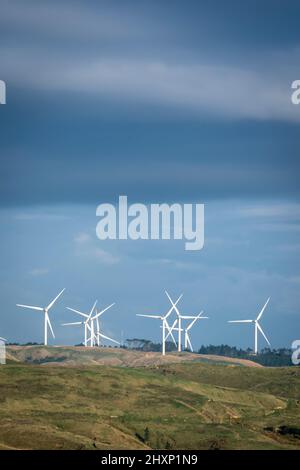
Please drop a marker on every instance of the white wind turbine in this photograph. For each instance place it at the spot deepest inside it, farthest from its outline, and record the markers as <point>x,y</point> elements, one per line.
<point>256,326</point>
<point>95,337</point>
<point>86,322</point>
<point>47,322</point>
<point>187,339</point>
<point>186,330</point>
<point>165,325</point>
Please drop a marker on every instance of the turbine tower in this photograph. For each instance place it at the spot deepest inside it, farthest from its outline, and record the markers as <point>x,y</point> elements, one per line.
<point>187,339</point>
<point>165,325</point>
<point>86,322</point>
<point>256,327</point>
<point>47,322</point>
<point>95,337</point>
<point>179,323</point>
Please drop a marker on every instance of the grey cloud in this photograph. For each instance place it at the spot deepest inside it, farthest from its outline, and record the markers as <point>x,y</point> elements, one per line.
<point>68,19</point>
<point>225,91</point>
<point>272,210</point>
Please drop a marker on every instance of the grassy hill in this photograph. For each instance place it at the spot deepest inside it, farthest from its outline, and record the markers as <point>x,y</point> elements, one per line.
<point>76,356</point>
<point>183,405</point>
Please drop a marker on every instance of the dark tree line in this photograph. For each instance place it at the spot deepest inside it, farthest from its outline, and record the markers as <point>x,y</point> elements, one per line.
<point>267,357</point>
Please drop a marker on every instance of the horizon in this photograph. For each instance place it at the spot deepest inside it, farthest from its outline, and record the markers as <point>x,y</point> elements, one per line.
<point>163,104</point>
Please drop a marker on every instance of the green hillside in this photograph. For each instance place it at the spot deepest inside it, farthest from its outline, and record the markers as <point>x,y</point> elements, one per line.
<point>174,406</point>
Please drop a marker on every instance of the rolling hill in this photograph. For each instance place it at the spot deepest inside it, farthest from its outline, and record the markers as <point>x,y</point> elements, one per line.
<point>68,355</point>
<point>179,404</point>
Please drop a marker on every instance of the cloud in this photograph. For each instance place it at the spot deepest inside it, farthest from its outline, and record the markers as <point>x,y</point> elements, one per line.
<point>279,227</point>
<point>82,238</point>
<point>68,20</point>
<point>105,257</point>
<point>134,54</point>
<point>38,216</point>
<point>86,247</point>
<point>39,272</point>
<point>289,248</point>
<point>290,211</point>
<point>197,88</point>
<point>273,217</point>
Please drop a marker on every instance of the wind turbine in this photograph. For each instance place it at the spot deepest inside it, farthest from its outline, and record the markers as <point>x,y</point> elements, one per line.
<point>3,339</point>
<point>47,322</point>
<point>187,339</point>
<point>96,336</point>
<point>86,322</point>
<point>186,330</point>
<point>256,326</point>
<point>165,325</point>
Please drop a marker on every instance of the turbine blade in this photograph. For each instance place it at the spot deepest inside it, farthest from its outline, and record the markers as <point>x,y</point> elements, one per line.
<point>77,311</point>
<point>91,312</point>
<point>110,339</point>
<point>263,309</point>
<point>31,307</point>
<point>54,300</point>
<point>191,317</point>
<point>170,329</point>
<point>102,311</point>
<point>3,339</point>
<point>189,341</point>
<point>188,317</point>
<point>174,305</point>
<point>50,326</point>
<point>167,294</point>
<point>191,324</point>
<point>261,330</point>
<point>148,316</point>
<point>240,321</point>
<point>73,323</point>
<point>175,328</point>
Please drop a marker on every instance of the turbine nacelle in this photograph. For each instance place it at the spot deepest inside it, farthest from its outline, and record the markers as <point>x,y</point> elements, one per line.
<point>45,310</point>
<point>165,325</point>
<point>167,330</point>
<point>256,326</point>
<point>88,323</point>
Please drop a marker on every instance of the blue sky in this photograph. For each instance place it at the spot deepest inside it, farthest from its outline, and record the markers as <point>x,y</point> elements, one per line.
<point>164,103</point>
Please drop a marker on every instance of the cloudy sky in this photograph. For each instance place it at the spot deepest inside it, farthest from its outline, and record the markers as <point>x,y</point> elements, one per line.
<point>164,102</point>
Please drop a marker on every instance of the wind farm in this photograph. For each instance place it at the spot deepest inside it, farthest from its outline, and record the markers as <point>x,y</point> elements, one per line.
<point>111,392</point>
<point>173,323</point>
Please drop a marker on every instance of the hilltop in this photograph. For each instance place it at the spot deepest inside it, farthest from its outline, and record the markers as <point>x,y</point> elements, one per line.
<point>79,355</point>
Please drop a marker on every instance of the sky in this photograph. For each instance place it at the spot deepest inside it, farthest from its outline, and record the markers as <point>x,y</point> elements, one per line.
<point>164,102</point>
